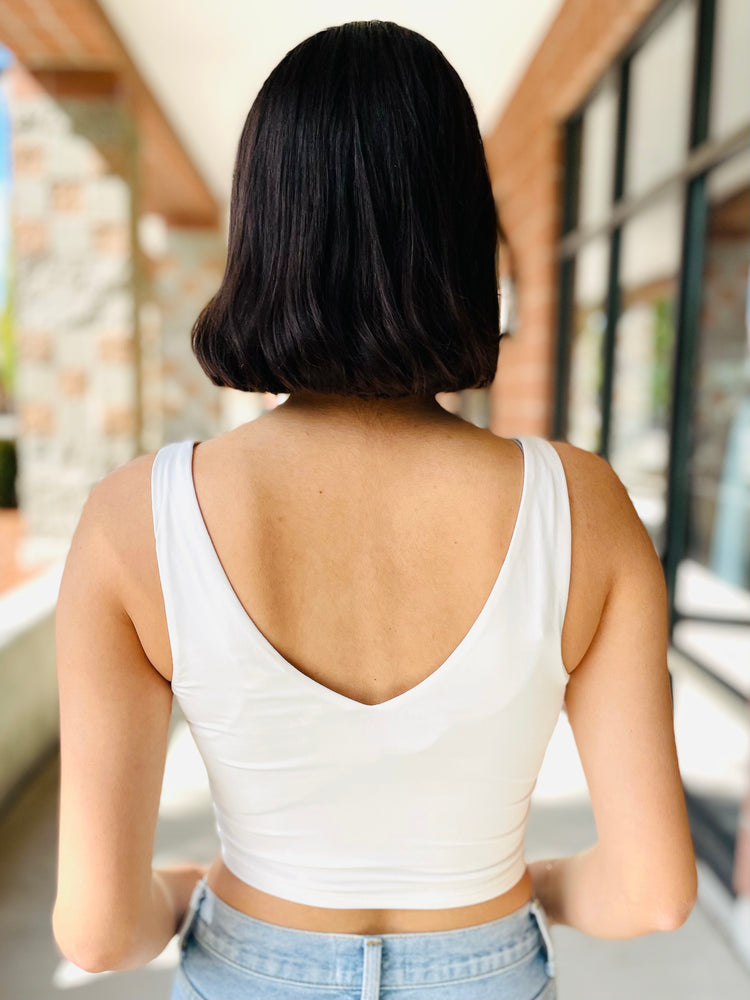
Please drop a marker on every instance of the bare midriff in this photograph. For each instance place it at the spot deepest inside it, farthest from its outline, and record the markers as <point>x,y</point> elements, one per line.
<point>299,916</point>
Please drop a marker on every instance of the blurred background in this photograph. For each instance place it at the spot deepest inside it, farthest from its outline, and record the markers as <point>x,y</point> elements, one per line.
<point>617,135</point>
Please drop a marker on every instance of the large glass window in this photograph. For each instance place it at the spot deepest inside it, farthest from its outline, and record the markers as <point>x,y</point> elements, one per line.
<point>712,595</point>
<point>713,592</point>
<point>655,350</point>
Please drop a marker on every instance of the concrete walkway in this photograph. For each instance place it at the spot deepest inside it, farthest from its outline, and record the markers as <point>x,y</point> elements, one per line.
<point>695,962</point>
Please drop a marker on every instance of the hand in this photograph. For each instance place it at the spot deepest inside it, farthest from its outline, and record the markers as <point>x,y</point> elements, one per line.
<point>177,883</point>
<point>543,877</point>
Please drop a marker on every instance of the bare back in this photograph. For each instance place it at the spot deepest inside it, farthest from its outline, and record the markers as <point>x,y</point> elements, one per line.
<point>364,564</point>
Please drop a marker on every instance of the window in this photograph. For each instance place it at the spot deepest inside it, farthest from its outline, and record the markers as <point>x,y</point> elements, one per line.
<point>654,354</point>
<point>598,134</point>
<point>660,76</point>
<point>588,326</point>
<point>730,93</point>
<point>713,576</point>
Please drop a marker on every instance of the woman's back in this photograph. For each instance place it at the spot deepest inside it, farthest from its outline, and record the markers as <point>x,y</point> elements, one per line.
<point>364,556</point>
<point>308,781</point>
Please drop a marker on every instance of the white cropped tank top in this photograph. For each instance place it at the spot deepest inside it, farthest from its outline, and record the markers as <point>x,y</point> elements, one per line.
<point>419,802</point>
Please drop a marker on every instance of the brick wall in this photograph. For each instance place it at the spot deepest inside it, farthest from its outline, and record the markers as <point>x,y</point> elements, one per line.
<point>524,155</point>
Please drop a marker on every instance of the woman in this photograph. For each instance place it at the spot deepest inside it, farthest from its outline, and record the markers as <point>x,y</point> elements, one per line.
<point>369,610</point>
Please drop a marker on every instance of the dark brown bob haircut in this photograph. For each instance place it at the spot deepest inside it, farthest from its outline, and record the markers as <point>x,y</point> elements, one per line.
<point>363,231</point>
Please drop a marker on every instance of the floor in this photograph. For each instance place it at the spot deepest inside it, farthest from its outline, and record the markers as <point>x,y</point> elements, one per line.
<point>695,962</point>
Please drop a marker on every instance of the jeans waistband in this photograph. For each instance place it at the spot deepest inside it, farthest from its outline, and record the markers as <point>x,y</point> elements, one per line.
<point>315,956</point>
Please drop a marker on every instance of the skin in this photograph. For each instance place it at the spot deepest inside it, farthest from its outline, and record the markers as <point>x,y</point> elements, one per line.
<point>399,474</point>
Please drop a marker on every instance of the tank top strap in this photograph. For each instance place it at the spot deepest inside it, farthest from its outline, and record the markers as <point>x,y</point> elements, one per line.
<point>167,484</point>
<point>547,527</point>
<point>178,554</point>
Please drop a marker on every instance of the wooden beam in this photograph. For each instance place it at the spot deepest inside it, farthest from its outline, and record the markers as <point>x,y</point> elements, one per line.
<point>73,51</point>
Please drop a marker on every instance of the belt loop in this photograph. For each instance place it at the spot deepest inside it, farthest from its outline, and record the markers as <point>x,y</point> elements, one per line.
<point>541,918</point>
<point>196,897</point>
<point>371,969</point>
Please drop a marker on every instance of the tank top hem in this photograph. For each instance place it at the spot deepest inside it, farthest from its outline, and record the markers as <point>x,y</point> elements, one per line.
<point>411,897</point>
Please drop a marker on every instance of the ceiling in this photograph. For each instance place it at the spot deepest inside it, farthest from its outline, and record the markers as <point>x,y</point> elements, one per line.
<point>205,62</point>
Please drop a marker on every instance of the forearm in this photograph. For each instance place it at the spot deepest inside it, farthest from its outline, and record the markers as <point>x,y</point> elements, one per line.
<point>585,893</point>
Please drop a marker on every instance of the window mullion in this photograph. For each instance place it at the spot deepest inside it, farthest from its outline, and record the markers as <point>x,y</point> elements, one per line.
<point>688,311</point>
<point>613,291</point>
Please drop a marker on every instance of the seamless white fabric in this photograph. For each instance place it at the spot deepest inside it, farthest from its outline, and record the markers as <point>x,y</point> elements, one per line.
<point>419,802</point>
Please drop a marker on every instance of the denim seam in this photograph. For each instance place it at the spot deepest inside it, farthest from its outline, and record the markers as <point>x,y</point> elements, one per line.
<point>332,986</point>
<point>422,984</point>
<point>262,975</point>
<point>196,994</point>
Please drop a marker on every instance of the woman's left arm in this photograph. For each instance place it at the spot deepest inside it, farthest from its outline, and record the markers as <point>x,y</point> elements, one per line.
<point>112,910</point>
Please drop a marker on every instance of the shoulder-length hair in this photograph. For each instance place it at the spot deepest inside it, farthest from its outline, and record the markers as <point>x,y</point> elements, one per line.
<point>363,231</point>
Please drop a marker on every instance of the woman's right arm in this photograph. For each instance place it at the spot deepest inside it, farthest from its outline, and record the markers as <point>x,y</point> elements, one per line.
<point>640,875</point>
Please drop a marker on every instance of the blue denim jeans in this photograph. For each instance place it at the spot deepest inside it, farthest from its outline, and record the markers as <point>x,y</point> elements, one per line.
<point>227,955</point>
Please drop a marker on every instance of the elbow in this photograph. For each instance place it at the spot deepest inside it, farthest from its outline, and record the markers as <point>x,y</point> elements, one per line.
<point>88,961</point>
<point>671,919</point>
<point>662,901</point>
<point>87,956</point>
<point>674,916</point>
<point>84,951</point>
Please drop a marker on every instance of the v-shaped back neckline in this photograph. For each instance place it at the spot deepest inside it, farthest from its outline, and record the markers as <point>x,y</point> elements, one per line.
<point>316,688</point>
